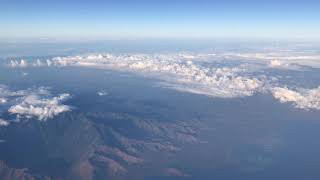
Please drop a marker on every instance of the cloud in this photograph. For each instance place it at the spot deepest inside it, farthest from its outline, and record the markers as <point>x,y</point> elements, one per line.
<point>303,98</point>
<point>178,71</point>
<point>49,63</point>
<point>42,108</point>
<point>293,58</point>
<point>187,73</point>
<point>6,94</point>
<point>211,74</point>
<point>102,93</point>
<point>3,100</point>
<point>21,63</point>
<point>276,63</point>
<point>4,123</point>
<point>288,59</point>
<point>37,102</point>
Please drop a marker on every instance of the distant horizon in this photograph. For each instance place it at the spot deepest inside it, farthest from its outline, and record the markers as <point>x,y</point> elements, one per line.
<point>156,39</point>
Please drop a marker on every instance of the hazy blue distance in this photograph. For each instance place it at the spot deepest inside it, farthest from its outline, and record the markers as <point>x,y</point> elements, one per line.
<point>122,19</point>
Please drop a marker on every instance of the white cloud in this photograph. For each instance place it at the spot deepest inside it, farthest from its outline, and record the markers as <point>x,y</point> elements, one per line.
<point>21,63</point>
<point>278,58</point>
<point>205,73</point>
<point>179,71</point>
<point>303,98</point>
<point>33,102</point>
<point>5,93</point>
<point>3,100</point>
<point>275,63</point>
<point>185,73</point>
<point>4,123</point>
<point>102,93</point>
<point>42,108</point>
<point>286,57</point>
<point>38,63</point>
<point>49,63</point>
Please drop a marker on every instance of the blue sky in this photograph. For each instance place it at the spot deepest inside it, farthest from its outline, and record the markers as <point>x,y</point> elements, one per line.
<point>121,19</point>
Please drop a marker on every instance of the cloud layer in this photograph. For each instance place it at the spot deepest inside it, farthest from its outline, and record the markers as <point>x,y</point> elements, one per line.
<point>185,73</point>
<point>289,59</point>
<point>212,74</point>
<point>4,123</point>
<point>178,71</point>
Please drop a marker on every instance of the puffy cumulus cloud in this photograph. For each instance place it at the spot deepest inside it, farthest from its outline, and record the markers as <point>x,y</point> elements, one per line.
<point>39,63</point>
<point>42,108</point>
<point>33,102</point>
<point>179,71</point>
<point>4,123</point>
<point>222,82</point>
<point>23,63</point>
<point>288,58</point>
<point>303,98</point>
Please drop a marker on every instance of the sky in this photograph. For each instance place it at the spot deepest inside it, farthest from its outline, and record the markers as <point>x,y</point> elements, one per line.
<point>134,19</point>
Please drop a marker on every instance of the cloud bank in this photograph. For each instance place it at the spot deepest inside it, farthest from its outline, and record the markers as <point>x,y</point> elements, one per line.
<point>185,73</point>
<point>23,63</point>
<point>288,59</point>
<point>180,72</point>
<point>303,98</point>
<point>211,74</point>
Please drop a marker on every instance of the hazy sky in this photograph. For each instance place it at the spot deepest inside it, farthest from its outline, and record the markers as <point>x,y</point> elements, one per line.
<point>113,19</point>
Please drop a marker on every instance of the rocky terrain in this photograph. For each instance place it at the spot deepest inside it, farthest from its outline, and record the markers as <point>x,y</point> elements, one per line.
<point>89,146</point>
